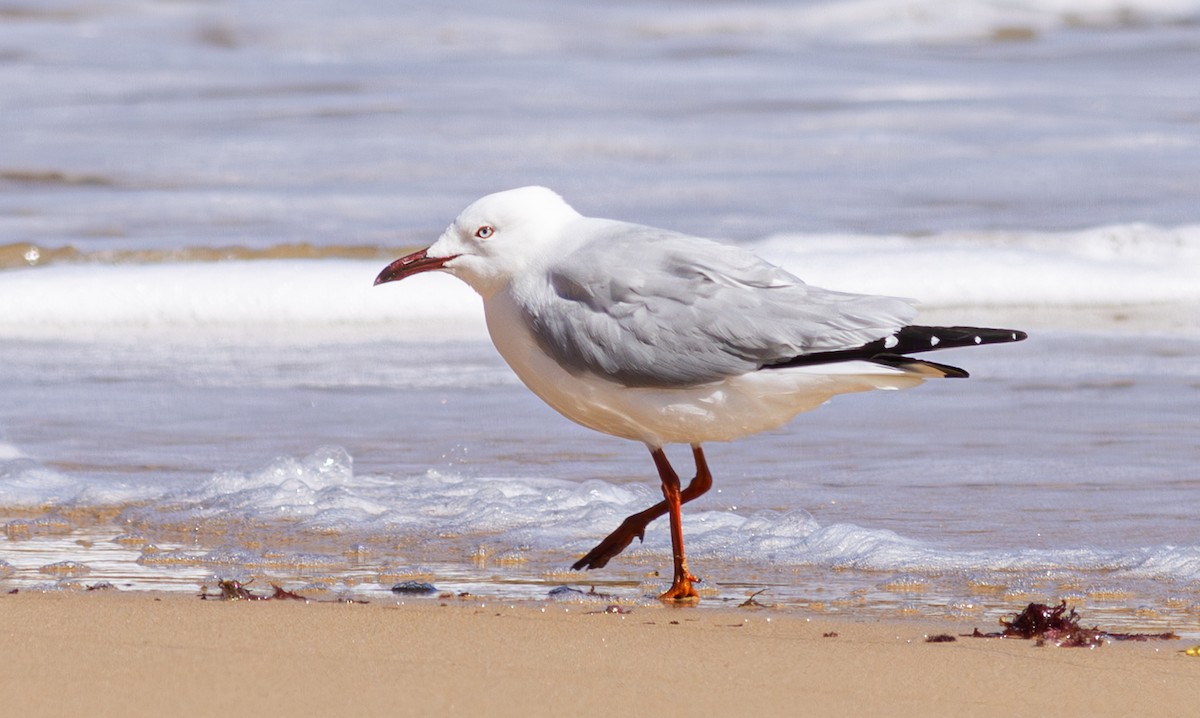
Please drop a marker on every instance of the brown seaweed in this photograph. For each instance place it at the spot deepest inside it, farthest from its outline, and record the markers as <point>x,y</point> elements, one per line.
<point>233,590</point>
<point>280,594</point>
<point>752,602</point>
<point>1060,625</point>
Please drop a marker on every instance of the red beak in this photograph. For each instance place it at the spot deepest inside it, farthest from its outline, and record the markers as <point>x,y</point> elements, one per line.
<point>411,264</point>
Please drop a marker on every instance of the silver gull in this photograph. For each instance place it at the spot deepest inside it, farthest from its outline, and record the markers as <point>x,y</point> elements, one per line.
<point>665,338</point>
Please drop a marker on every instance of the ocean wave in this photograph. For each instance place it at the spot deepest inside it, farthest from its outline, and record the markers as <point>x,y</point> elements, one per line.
<point>920,20</point>
<point>320,495</point>
<point>1102,266</point>
<point>1105,266</point>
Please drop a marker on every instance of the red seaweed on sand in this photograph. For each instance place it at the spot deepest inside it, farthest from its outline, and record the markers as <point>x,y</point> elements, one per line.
<point>1060,626</point>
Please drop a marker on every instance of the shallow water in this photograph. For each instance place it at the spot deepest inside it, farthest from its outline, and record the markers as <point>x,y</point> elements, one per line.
<point>1065,467</point>
<point>197,380</point>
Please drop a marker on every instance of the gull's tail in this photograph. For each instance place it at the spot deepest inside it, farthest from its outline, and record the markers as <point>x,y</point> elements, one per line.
<point>893,350</point>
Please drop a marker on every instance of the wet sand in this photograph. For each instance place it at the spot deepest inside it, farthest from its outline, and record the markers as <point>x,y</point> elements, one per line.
<point>147,654</point>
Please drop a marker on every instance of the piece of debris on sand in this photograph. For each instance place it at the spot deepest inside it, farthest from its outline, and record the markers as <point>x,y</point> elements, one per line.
<point>233,590</point>
<point>1060,626</point>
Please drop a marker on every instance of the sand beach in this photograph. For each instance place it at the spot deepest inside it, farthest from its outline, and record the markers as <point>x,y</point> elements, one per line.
<point>146,654</point>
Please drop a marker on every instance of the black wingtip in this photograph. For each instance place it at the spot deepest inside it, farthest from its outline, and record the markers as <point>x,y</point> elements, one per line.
<point>915,339</point>
<point>910,340</point>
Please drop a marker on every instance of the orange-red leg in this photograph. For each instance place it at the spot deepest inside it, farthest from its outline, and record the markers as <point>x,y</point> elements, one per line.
<point>681,586</point>
<point>635,526</point>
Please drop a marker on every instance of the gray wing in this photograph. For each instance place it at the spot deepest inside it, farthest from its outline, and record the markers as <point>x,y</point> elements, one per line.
<point>653,308</point>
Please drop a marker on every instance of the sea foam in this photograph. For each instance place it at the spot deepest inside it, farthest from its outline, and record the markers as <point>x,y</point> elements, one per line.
<point>1126,264</point>
<point>321,495</point>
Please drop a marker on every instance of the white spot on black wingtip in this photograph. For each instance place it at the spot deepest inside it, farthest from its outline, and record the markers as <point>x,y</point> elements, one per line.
<point>891,342</point>
<point>934,341</point>
<point>978,339</point>
<point>1014,335</point>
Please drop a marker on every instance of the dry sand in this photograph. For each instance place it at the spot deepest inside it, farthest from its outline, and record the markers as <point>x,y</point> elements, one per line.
<point>142,654</point>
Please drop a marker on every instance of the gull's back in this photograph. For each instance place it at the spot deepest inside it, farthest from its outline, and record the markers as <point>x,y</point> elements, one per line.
<point>649,307</point>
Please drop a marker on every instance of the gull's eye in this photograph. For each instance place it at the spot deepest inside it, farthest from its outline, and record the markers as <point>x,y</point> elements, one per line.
<point>485,231</point>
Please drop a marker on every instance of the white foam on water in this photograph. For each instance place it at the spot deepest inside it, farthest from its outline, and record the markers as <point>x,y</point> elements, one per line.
<point>288,293</point>
<point>8,452</point>
<point>1105,266</point>
<point>27,484</point>
<point>1126,264</point>
<point>909,20</point>
<point>320,495</point>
